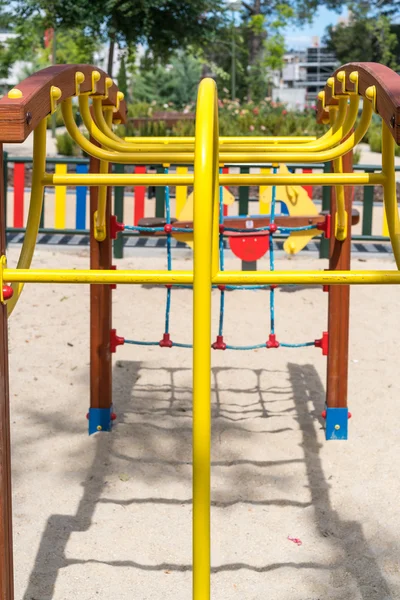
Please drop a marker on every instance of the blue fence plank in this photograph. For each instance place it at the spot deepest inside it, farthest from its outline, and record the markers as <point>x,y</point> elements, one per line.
<point>81,191</point>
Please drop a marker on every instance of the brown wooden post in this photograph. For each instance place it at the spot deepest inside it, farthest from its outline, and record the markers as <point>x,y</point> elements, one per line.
<point>100,320</point>
<point>338,321</point>
<point>6,542</point>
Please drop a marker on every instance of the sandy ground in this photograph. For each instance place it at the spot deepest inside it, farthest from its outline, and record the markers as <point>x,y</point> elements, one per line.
<point>109,517</point>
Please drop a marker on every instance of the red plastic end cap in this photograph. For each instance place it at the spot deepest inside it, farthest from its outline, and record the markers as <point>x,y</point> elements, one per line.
<point>222,288</point>
<point>113,286</point>
<point>113,416</point>
<point>7,292</point>
<point>323,343</point>
<point>273,286</point>
<point>87,416</point>
<point>168,228</point>
<point>115,227</point>
<point>219,344</point>
<point>221,228</point>
<point>349,415</point>
<point>325,288</point>
<point>166,341</point>
<point>115,340</point>
<point>325,226</point>
<point>168,286</point>
<point>273,228</point>
<point>272,341</point>
<point>323,414</point>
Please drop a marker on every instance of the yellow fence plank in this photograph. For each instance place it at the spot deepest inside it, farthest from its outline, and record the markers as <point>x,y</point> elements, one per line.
<point>61,200</point>
<point>181,192</point>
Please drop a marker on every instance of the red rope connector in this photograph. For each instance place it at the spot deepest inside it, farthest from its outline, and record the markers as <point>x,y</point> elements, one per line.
<point>113,416</point>
<point>273,286</point>
<point>221,228</point>
<point>219,344</point>
<point>7,292</point>
<point>115,227</point>
<point>113,286</point>
<point>272,341</point>
<point>168,286</point>
<point>166,341</point>
<point>168,228</point>
<point>222,287</point>
<point>323,343</point>
<point>115,340</point>
<point>325,226</point>
<point>325,288</point>
<point>273,228</point>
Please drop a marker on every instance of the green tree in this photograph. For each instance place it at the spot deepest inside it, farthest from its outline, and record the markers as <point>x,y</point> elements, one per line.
<point>122,77</point>
<point>164,26</point>
<point>175,83</point>
<point>369,39</point>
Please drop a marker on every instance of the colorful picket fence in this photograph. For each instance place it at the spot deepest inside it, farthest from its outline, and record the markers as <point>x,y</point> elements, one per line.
<point>63,205</point>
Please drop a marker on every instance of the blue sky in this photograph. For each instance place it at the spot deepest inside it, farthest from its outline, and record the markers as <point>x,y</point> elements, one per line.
<point>298,39</point>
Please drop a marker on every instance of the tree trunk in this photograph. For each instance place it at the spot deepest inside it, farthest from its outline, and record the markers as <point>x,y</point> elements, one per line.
<point>111,54</point>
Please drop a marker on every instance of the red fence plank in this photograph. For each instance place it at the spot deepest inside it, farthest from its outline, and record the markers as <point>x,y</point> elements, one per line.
<point>19,184</point>
<point>139,191</point>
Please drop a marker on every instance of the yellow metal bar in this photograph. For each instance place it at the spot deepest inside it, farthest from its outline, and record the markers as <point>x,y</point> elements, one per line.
<point>95,276</point>
<point>306,277</point>
<point>181,193</point>
<point>341,214</point>
<point>100,227</point>
<point>140,157</point>
<point>389,191</point>
<point>186,277</point>
<point>205,194</point>
<point>92,179</point>
<point>109,143</point>
<point>250,140</point>
<point>35,209</point>
<point>60,208</point>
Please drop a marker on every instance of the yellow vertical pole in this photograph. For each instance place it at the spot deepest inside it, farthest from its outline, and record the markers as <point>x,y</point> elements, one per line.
<point>181,193</point>
<point>389,191</point>
<point>205,176</point>
<point>61,200</point>
<point>385,228</point>
<point>265,194</point>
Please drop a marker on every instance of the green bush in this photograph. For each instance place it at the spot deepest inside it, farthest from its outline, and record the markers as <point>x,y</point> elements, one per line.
<point>266,118</point>
<point>66,145</point>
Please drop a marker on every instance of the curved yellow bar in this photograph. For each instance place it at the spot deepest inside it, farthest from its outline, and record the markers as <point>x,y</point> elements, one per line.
<point>341,214</point>
<point>389,191</point>
<point>188,157</point>
<point>205,193</point>
<point>119,146</point>
<point>250,140</point>
<point>342,126</point>
<point>35,208</point>
<point>100,228</point>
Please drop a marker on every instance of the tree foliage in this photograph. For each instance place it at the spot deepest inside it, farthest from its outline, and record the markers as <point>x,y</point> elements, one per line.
<point>365,39</point>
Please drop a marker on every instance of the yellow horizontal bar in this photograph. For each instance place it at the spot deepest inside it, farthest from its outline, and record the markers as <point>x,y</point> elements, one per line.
<point>95,179</point>
<point>302,179</point>
<point>185,277</point>
<point>307,277</point>
<point>95,276</point>
<point>253,140</point>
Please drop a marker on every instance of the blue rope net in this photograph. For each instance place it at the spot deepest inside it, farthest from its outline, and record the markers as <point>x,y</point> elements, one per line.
<point>220,344</point>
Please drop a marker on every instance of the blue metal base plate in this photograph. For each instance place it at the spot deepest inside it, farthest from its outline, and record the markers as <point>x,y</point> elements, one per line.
<point>337,421</point>
<point>100,419</point>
